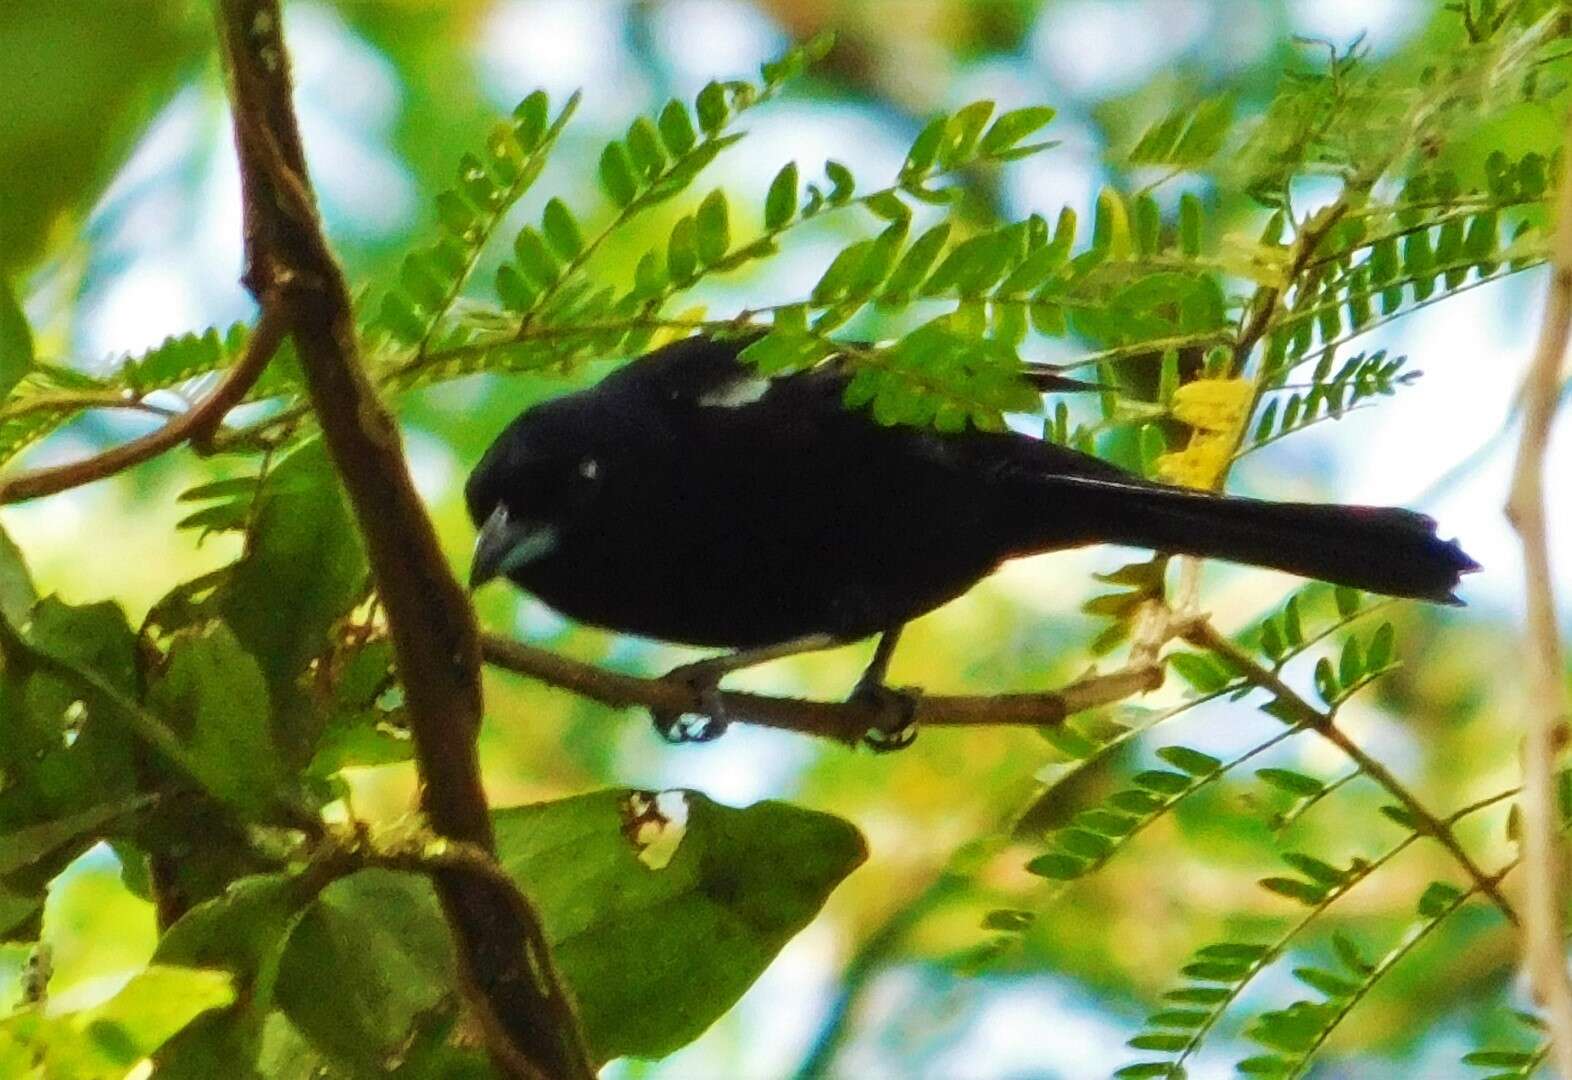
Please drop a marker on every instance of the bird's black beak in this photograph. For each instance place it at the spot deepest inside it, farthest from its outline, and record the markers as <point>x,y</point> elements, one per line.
<point>505,544</point>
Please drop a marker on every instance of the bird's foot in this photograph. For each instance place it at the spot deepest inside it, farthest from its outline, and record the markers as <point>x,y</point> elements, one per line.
<point>706,724</point>
<point>894,727</point>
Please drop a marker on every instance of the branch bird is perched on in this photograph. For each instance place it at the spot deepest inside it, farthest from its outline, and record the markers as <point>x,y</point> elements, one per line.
<point>689,499</point>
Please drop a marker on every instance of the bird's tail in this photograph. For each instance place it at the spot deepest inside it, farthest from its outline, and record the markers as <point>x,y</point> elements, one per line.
<point>1380,549</point>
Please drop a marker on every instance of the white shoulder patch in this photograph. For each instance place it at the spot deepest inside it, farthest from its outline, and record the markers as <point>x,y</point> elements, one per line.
<point>744,390</point>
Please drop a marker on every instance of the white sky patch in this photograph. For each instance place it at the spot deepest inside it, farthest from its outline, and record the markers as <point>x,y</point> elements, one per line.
<point>701,39</point>
<point>348,99</point>
<point>1097,47</point>
<point>432,464</point>
<point>561,46</point>
<point>1385,23</point>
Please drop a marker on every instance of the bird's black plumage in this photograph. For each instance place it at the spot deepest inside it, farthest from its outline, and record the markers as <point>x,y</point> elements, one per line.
<point>687,499</point>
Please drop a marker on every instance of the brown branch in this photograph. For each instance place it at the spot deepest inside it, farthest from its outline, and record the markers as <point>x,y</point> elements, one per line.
<point>1544,954</point>
<point>842,721</point>
<point>196,425</point>
<point>529,1021</point>
<point>1207,636</point>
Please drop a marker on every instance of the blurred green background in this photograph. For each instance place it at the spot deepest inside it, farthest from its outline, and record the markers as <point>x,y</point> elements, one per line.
<point>119,225</point>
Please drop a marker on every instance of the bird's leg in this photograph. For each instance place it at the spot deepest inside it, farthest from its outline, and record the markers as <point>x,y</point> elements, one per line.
<point>897,708</point>
<point>704,677</point>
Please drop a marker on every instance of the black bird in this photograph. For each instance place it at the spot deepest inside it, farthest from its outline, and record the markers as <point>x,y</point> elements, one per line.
<point>687,498</point>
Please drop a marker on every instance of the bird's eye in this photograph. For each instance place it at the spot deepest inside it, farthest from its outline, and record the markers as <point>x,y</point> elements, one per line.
<point>589,468</point>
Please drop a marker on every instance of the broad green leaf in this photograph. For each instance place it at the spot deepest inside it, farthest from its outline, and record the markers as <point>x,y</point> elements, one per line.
<point>304,569</point>
<point>214,694</point>
<point>705,925</point>
<point>16,341</point>
<point>17,595</point>
<point>58,841</point>
<point>82,83</point>
<point>703,904</point>
<point>104,1041</point>
<point>367,958</point>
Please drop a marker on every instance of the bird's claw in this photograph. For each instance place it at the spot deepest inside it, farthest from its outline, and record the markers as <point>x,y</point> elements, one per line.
<point>895,727</point>
<point>705,725</point>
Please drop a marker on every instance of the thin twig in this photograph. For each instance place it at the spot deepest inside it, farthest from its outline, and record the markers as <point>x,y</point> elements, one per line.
<point>1544,897</point>
<point>196,425</point>
<point>1208,636</point>
<point>842,721</point>
<point>524,1011</point>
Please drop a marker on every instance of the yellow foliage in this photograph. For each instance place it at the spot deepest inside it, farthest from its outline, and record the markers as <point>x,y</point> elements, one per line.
<point>1217,409</point>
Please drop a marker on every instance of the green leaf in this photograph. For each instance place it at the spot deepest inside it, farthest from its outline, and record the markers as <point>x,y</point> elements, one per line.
<point>643,143</point>
<point>16,341</point>
<point>1200,671</point>
<point>367,958</point>
<point>1438,899</point>
<point>535,260</point>
<point>676,128</point>
<point>561,230</point>
<point>214,693</point>
<point>924,150</point>
<point>1315,869</point>
<point>1057,866</point>
<point>1325,681</point>
<point>842,183</point>
<point>1334,987</point>
<point>616,175</point>
<point>26,848</point>
<point>712,108</point>
<point>781,202</point>
<point>529,119</point>
<point>17,594</point>
<point>106,1040</point>
<point>1351,664</point>
<point>1295,783</point>
<point>962,132</point>
<point>909,273</point>
<point>740,884</point>
<point>713,234</point>
<point>1012,127</point>
<point>1162,782</point>
<point>303,570</point>
<point>682,253</point>
<point>1381,648</point>
<point>1191,761</point>
<point>1198,995</point>
<point>1303,891</point>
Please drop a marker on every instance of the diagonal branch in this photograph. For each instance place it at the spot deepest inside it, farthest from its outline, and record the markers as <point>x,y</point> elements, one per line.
<point>196,425</point>
<point>1303,712</point>
<point>528,1020</point>
<point>1544,955</point>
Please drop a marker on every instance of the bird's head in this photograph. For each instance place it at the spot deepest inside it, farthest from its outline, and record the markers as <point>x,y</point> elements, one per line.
<point>532,486</point>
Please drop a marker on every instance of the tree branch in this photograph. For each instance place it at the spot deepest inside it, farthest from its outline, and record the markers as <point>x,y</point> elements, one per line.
<point>842,721</point>
<point>197,424</point>
<point>528,1019</point>
<point>1544,954</point>
<point>1208,636</point>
